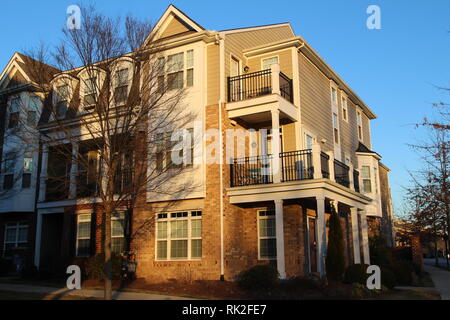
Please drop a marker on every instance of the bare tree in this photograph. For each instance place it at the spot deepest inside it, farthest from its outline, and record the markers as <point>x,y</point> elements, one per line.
<point>109,117</point>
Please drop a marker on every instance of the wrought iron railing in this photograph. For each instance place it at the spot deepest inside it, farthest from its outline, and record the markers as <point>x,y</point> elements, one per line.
<point>256,84</point>
<point>341,173</point>
<point>250,171</point>
<point>296,165</point>
<point>324,163</point>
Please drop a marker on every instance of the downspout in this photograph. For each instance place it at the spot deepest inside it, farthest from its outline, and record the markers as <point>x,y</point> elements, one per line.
<point>221,39</point>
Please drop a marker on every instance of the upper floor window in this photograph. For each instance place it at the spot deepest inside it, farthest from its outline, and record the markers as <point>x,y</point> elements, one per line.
<point>367,182</point>
<point>336,128</point>
<point>62,101</point>
<point>180,70</point>
<point>267,242</point>
<point>32,111</point>
<point>27,170</point>
<point>121,90</point>
<point>333,95</point>
<point>268,62</point>
<point>359,124</point>
<point>90,92</point>
<point>165,148</point>
<point>309,141</point>
<point>344,109</point>
<point>179,236</point>
<point>14,114</point>
<point>8,170</point>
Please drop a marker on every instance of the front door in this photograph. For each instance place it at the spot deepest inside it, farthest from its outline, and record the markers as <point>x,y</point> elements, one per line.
<point>312,244</point>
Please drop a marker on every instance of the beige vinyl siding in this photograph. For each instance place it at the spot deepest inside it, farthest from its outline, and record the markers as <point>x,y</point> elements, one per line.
<point>349,133</point>
<point>366,131</point>
<point>315,101</point>
<point>235,43</point>
<point>213,74</point>
<point>284,57</point>
<point>174,27</point>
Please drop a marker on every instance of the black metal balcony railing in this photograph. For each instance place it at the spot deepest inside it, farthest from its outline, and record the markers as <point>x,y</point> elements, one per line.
<point>256,84</point>
<point>356,180</point>
<point>296,165</point>
<point>248,171</point>
<point>324,160</point>
<point>341,173</point>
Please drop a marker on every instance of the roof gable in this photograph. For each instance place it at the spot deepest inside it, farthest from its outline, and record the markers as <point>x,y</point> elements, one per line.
<point>171,23</point>
<point>13,74</point>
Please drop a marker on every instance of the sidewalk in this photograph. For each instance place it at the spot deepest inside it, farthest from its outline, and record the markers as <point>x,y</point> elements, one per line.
<point>441,279</point>
<point>87,293</point>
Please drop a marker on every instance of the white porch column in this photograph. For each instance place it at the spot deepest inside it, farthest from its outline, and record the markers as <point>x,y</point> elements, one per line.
<point>73,172</point>
<point>37,243</point>
<point>350,176</point>
<point>355,235</point>
<point>321,235</point>
<point>365,237</point>
<point>275,69</point>
<point>316,158</point>
<point>331,165</point>
<point>43,176</point>
<point>276,147</point>
<point>280,238</point>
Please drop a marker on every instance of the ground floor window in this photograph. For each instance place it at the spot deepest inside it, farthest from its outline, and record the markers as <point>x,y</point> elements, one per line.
<point>179,236</point>
<point>118,227</point>
<point>84,235</point>
<point>16,236</point>
<point>267,242</point>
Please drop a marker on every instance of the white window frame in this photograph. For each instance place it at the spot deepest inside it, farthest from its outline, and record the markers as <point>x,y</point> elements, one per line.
<point>83,238</point>
<point>359,124</point>
<point>121,215</point>
<point>369,178</point>
<point>11,111</point>
<point>17,225</point>
<point>169,239</point>
<point>344,106</point>
<point>267,58</point>
<point>336,131</point>
<point>12,169</point>
<point>259,217</point>
<point>185,68</point>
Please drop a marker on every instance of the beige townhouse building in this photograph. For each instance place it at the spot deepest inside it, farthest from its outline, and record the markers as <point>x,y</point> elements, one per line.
<point>306,147</point>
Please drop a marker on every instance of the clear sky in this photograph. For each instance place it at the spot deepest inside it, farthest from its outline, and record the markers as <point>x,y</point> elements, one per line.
<point>394,70</point>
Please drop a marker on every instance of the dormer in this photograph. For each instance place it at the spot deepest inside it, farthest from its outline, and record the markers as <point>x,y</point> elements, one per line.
<point>91,81</point>
<point>122,78</point>
<point>63,87</point>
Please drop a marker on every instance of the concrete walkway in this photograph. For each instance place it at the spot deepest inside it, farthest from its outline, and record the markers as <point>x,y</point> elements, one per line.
<point>88,293</point>
<point>441,279</point>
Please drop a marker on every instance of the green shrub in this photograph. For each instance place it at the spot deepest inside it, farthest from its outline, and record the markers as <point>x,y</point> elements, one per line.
<point>388,279</point>
<point>356,273</point>
<point>380,253</point>
<point>258,277</point>
<point>403,272</point>
<point>95,266</point>
<point>335,263</point>
<point>5,266</point>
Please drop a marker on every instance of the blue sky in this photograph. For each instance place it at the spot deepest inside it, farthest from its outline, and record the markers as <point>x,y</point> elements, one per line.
<point>394,70</point>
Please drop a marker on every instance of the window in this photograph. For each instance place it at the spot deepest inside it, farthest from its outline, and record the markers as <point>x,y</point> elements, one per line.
<point>165,147</point>
<point>268,62</point>
<point>88,173</point>
<point>27,168</point>
<point>16,236</point>
<point>179,236</point>
<point>62,101</point>
<point>121,91</point>
<point>333,95</point>
<point>375,177</point>
<point>118,224</point>
<point>14,115</point>
<point>84,235</point>
<point>367,183</point>
<point>344,109</point>
<point>190,68</point>
<point>8,170</point>
<point>32,111</point>
<point>90,90</point>
<point>359,123</point>
<point>308,141</point>
<point>175,68</point>
<point>336,128</point>
<point>267,235</point>
<point>347,160</point>
<point>161,62</point>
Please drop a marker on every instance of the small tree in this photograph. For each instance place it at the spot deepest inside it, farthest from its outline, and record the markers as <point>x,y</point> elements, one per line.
<point>335,264</point>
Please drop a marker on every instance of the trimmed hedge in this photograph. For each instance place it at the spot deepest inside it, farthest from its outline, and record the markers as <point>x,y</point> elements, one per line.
<point>356,273</point>
<point>95,266</point>
<point>258,277</point>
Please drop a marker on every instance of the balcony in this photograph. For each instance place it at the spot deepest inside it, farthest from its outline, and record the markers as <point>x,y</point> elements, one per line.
<point>253,96</point>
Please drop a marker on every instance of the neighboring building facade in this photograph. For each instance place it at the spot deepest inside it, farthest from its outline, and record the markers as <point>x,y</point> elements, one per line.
<point>236,216</point>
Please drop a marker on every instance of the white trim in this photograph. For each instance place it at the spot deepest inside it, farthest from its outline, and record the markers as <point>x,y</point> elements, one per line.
<point>267,58</point>
<point>259,238</point>
<point>83,238</point>
<point>344,106</point>
<point>17,226</point>
<point>359,114</point>
<point>258,28</point>
<point>315,239</point>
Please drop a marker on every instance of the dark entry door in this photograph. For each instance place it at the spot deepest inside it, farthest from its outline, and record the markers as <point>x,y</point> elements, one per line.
<point>312,244</point>
<point>52,225</point>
